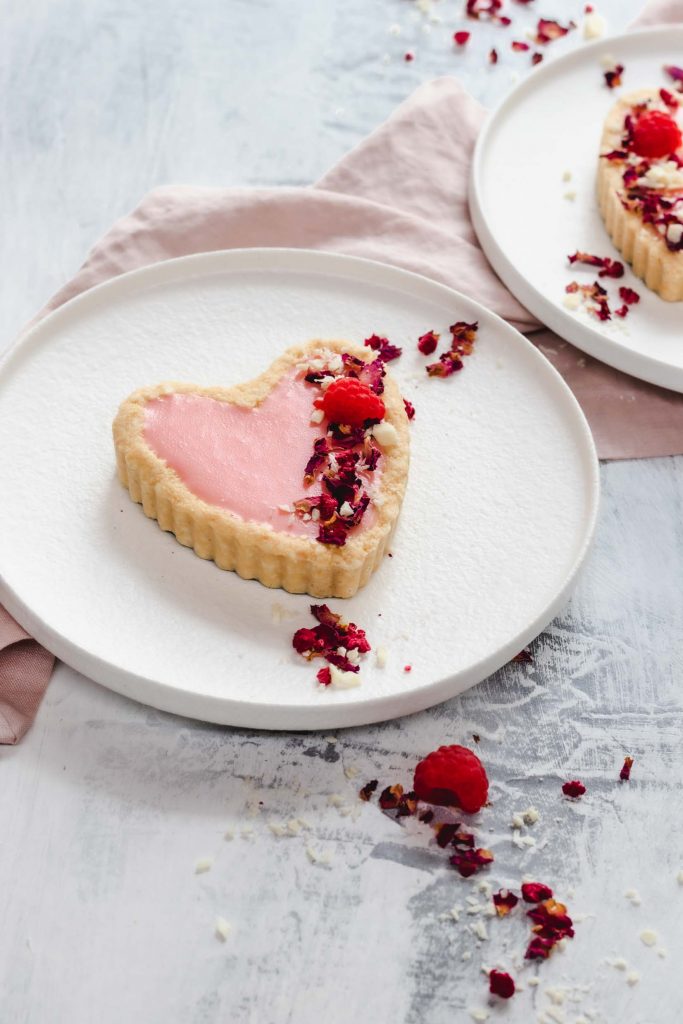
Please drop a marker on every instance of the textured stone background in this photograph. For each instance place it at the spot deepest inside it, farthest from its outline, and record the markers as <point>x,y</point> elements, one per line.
<point>107,805</point>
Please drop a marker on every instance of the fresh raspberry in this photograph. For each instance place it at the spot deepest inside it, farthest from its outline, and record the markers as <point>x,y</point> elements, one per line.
<point>656,134</point>
<point>452,776</point>
<point>351,402</point>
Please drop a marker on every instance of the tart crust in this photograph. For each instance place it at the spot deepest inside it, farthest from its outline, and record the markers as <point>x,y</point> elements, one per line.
<point>300,565</point>
<point>639,243</point>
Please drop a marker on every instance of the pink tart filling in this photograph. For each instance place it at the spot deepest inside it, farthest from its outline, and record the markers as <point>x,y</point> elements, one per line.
<point>246,460</point>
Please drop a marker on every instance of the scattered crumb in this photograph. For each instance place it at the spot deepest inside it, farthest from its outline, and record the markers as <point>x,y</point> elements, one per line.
<point>455,911</point>
<point>336,800</point>
<point>223,928</point>
<point>330,739</point>
<point>533,982</point>
<point>567,176</point>
<point>556,995</point>
<point>517,821</point>
<point>395,30</point>
<point>350,772</point>
<point>479,1015</point>
<point>679,877</point>
<point>247,833</point>
<point>467,955</point>
<point>633,977</point>
<point>570,195</point>
<point>478,929</point>
<point>202,865</point>
<point>633,897</point>
<point>594,26</point>
<point>619,963</point>
<point>317,857</point>
<point>607,61</point>
<point>381,657</point>
<point>229,834</point>
<point>572,300</point>
<point>662,952</point>
<point>555,1014</point>
<point>648,937</point>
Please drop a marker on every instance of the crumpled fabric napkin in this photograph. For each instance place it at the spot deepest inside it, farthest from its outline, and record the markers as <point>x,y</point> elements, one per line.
<point>382,202</point>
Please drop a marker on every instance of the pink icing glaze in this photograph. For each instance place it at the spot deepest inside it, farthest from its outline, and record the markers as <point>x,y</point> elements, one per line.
<point>246,460</point>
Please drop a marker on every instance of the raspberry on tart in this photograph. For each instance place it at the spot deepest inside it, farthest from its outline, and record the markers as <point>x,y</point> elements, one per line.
<point>640,187</point>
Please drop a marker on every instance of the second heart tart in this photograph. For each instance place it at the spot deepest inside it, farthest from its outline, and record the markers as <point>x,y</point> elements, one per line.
<point>640,186</point>
<point>294,479</point>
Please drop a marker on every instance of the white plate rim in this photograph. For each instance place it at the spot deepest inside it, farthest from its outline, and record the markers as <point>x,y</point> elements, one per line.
<point>300,717</point>
<point>583,335</point>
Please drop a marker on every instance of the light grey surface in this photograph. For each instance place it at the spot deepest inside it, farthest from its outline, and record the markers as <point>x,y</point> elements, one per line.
<point>106,806</point>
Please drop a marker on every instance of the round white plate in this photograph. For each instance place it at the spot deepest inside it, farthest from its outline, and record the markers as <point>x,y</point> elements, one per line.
<point>552,124</point>
<point>498,516</point>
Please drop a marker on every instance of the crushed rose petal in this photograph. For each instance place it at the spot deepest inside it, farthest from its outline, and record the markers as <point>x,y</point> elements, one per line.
<point>410,409</point>
<point>427,343</point>
<point>574,789</point>
<point>536,58</point>
<point>613,77</point>
<point>326,639</point>
<point>625,773</point>
<point>460,38</point>
<point>669,99</point>
<point>608,267</point>
<point>675,74</point>
<point>548,30</point>
<point>501,984</point>
<point>427,816</point>
<point>324,676</point>
<point>469,862</point>
<point>504,901</point>
<point>519,47</point>
<point>389,797</point>
<point>368,789</point>
<point>629,296</point>
<point>493,56</point>
<point>384,348</point>
<point>535,892</point>
<point>524,656</point>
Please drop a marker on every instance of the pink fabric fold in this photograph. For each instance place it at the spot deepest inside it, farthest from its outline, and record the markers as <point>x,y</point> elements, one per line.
<point>25,670</point>
<point>386,202</point>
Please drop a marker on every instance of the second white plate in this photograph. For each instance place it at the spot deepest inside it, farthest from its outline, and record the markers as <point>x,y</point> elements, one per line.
<point>552,124</point>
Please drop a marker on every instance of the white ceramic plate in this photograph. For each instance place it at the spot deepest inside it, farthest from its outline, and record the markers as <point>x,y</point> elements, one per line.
<point>498,517</point>
<point>552,123</point>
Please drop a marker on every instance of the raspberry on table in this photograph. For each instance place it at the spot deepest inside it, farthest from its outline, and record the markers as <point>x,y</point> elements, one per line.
<point>656,134</point>
<point>452,776</point>
<point>349,401</point>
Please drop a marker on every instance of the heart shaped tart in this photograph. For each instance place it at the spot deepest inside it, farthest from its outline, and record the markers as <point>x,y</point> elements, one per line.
<point>294,479</point>
<point>640,187</point>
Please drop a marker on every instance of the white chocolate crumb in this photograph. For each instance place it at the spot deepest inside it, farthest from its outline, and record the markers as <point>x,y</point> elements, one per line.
<point>478,929</point>
<point>531,816</point>
<point>570,195</point>
<point>679,877</point>
<point>395,30</point>
<point>556,1015</point>
<point>202,865</point>
<point>648,937</point>
<point>317,416</point>
<point>467,955</point>
<point>277,828</point>
<point>336,800</point>
<point>455,911</point>
<point>385,434</point>
<point>229,834</point>
<point>351,772</point>
<point>330,739</point>
<point>316,857</point>
<point>479,1015</point>
<point>572,300</point>
<point>594,25</point>
<point>607,61</point>
<point>517,821</point>
<point>381,655</point>
<point>633,977</point>
<point>341,680</point>
<point>633,897</point>
<point>222,928</point>
<point>618,963</point>
<point>566,176</point>
<point>556,996</point>
<point>533,982</point>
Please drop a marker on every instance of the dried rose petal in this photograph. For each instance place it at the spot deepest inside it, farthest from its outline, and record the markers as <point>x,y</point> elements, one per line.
<point>535,892</point>
<point>551,921</point>
<point>468,862</point>
<point>390,797</point>
<point>485,9</point>
<point>622,311</point>
<point>408,56</point>
<point>613,76</point>
<point>463,839</point>
<point>386,351</point>
<point>539,949</point>
<point>524,656</point>
<point>427,343</point>
<point>493,56</point>
<point>324,676</point>
<point>427,816</point>
<point>331,634</point>
<point>461,38</point>
<point>548,30</point>
<point>501,984</point>
<point>519,47</point>
<point>629,296</point>
<point>668,98</point>
<point>410,409</point>
<point>407,805</point>
<point>608,267</point>
<point>447,364</point>
<point>368,789</point>
<point>574,789</point>
<point>445,831</point>
<point>504,901</point>
<point>536,58</point>
<point>675,74</point>
<point>625,773</point>
<point>463,337</point>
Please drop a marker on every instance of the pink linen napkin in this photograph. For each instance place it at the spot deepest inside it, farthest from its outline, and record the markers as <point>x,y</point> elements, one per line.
<point>384,201</point>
